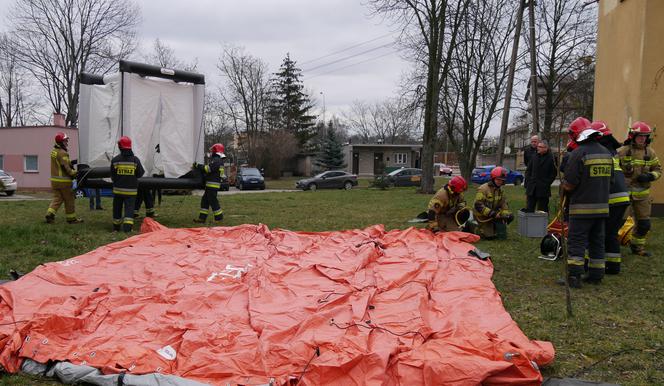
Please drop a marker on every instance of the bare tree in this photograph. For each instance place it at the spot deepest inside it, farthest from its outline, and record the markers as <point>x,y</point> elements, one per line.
<point>59,39</point>
<point>392,120</point>
<point>245,94</point>
<point>217,123</point>
<point>477,78</point>
<point>163,55</point>
<point>430,29</point>
<point>566,31</point>
<point>17,107</point>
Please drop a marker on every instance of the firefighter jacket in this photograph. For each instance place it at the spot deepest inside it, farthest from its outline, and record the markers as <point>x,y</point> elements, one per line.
<point>445,205</point>
<point>490,198</point>
<point>213,172</point>
<point>618,192</point>
<point>590,170</point>
<point>634,161</point>
<point>126,169</point>
<point>62,170</point>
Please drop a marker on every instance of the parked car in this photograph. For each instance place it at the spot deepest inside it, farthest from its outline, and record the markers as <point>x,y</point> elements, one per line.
<point>333,179</point>
<point>249,178</point>
<point>442,169</point>
<point>9,184</point>
<point>482,174</point>
<point>405,177</point>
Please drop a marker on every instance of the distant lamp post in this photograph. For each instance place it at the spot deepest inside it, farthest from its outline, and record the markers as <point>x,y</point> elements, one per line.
<point>323,95</point>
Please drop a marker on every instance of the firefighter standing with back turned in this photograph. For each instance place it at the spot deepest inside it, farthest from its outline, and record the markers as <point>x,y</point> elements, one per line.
<point>641,167</point>
<point>126,169</point>
<point>490,208</point>
<point>446,205</point>
<point>618,202</point>
<point>213,172</point>
<point>587,181</point>
<point>62,173</point>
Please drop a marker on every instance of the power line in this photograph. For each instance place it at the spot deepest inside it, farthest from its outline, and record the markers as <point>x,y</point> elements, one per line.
<point>351,65</point>
<point>348,57</point>
<point>345,49</point>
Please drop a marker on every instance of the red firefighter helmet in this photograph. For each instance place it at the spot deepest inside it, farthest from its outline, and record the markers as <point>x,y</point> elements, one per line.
<point>124,143</point>
<point>457,184</point>
<point>601,127</point>
<point>217,148</point>
<point>640,128</point>
<point>61,137</point>
<point>577,126</point>
<point>498,172</point>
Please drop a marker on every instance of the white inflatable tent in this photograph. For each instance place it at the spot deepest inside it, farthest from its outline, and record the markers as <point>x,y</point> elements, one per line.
<point>153,106</point>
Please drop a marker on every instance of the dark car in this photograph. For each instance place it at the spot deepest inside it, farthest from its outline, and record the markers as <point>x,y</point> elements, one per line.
<point>482,174</point>
<point>405,177</point>
<point>249,178</point>
<point>333,179</point>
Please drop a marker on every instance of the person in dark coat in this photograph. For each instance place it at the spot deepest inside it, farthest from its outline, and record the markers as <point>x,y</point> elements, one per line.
<point>541,173</point>
<point>530,151</point>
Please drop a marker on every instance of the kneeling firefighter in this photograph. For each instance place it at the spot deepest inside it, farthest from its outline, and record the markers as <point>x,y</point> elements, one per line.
<point>490,209</point>
<point>618,201</point>
<point>447,209</point>
<point>213,173</point>
<point>641,167</point>
<point>587,182</point>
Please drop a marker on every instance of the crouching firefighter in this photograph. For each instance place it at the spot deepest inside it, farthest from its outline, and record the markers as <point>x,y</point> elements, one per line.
<point>62,172</point>
<point>213,173</point>
<point>641,167</point>
<point>126,169</point>
<point>490,209</point>
<point>447,209</point>
<point>587,181</point>
<point>618,202</point>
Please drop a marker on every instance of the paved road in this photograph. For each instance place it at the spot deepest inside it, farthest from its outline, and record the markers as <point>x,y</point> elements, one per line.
<point>21,197</point>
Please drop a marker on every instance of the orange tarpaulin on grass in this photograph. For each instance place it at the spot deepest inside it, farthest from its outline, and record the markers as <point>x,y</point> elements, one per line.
<point>246,305</point>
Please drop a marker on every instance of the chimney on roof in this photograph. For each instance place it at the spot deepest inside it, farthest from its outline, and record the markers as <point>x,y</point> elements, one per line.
<point>58,120</point>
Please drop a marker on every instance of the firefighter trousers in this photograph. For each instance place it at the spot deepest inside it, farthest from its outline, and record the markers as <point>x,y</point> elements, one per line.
<point>586,233</point>
<point>641,210</point>
<point>61,195</point>
<point>611,244</point>
<point>144,195</point>
<point>210,200</point>
<point>121,202</point>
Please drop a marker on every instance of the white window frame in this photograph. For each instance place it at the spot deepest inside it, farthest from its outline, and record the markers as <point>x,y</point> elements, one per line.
<point>25,163</point>
<point>400,158</point>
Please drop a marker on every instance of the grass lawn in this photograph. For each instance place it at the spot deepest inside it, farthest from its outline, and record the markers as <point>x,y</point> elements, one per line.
<point>616,334</point>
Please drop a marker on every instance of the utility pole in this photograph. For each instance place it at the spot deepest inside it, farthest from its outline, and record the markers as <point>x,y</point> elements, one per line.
<point>533,68</point>
<point>510,85</point>
<point>324,124</point>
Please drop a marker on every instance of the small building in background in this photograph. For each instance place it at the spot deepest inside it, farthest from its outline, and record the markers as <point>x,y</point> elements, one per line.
<point>25,152</point>
<point>377,158</point>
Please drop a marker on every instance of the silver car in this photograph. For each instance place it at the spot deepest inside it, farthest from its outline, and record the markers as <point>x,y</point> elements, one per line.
<point>8,183</point>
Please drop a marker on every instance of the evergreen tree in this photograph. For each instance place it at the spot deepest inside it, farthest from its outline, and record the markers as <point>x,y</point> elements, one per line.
<point>290,106</point>
<point>331,154</point>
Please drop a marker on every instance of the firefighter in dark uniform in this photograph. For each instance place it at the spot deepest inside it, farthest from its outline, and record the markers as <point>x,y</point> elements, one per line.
<point>447,209</point>
<point>490,209</point>
<point>587,181</point>
<point>213,173</point>
<point>126,169</point>
<point>641,167</point>
<point>618,201</point>
<point>62,173</point>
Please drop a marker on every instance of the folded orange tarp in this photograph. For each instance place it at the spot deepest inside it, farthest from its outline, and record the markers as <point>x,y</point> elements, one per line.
<point>246,305</point>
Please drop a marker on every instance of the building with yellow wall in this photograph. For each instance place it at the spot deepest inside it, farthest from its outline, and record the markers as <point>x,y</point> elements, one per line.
<point>629,77</point>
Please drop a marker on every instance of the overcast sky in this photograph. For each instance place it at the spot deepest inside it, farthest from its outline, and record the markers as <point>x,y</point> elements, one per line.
<point>312,31</point>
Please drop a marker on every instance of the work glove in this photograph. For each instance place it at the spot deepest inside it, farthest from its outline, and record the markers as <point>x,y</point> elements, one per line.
<point>74,162</point>
<point>645,177</point>
<point>451,211</point>
<point>194,165</point>
<point>493,214</point>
